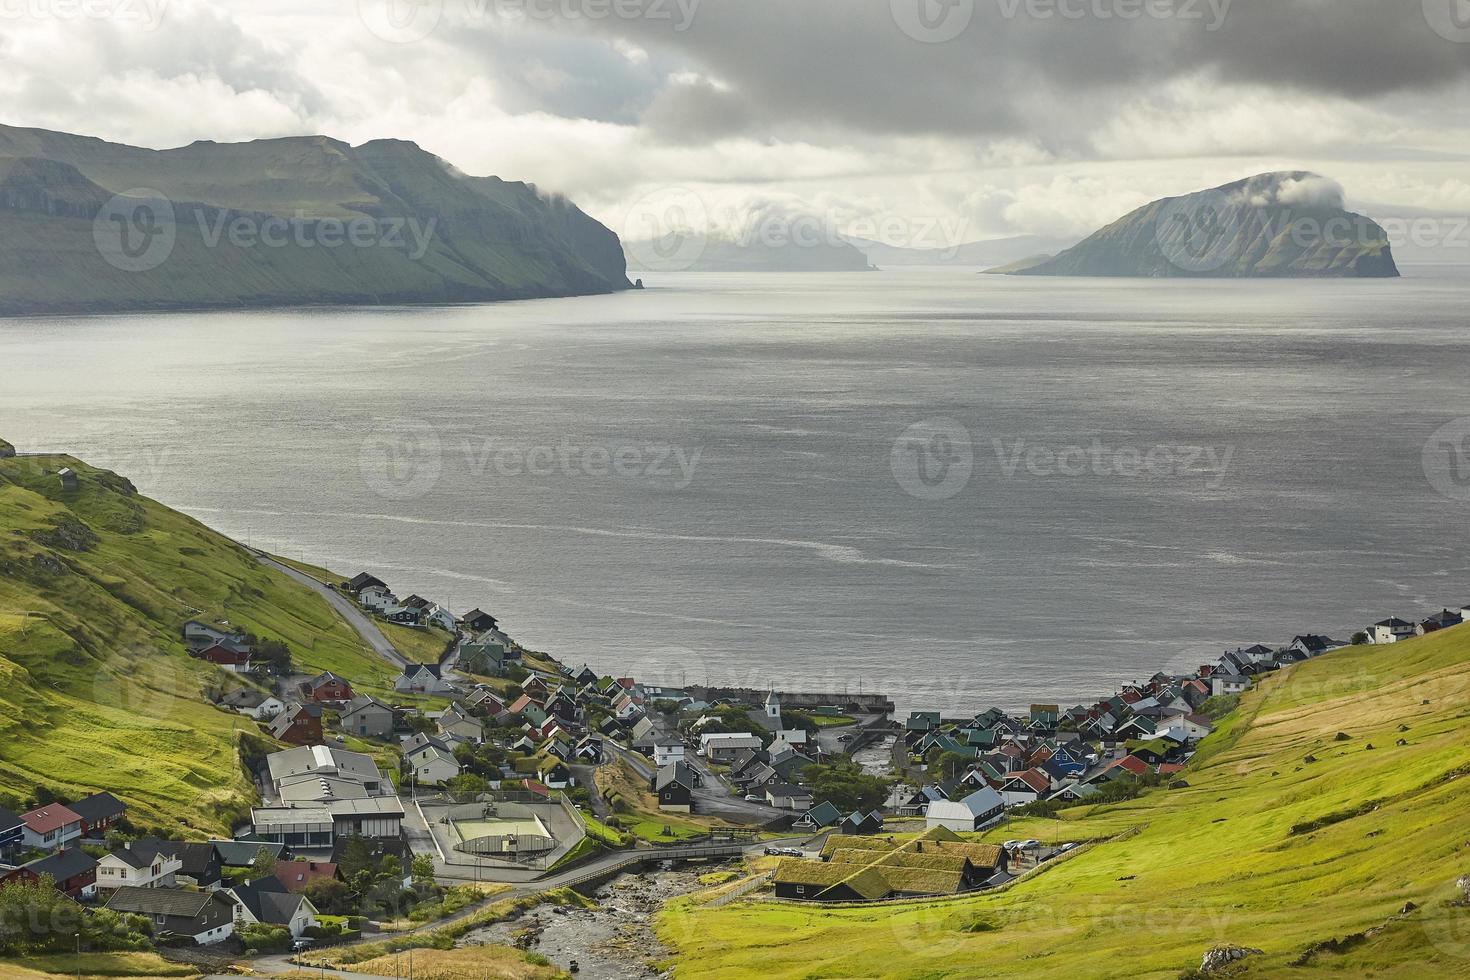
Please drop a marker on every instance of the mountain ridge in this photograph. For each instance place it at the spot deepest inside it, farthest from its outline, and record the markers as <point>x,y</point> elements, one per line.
<point>300,220</point>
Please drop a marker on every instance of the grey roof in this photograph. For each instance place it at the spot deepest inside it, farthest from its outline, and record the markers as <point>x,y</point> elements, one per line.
<point>363,701</point>
<point>241,853</point>
<point>9,820</point>
<point>268,900</point>
<point>675,772</point>
<point>159,901</point>
<point>64,864</point>
<point>786,790</point>
<point>98,806</point>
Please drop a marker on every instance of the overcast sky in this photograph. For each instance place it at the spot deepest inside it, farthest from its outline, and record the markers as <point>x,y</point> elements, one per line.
<point>928,121</point>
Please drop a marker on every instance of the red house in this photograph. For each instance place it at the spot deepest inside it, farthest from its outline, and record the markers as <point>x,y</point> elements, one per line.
<point>98,812</point>
<point>233,660</point>
<point>300,724</point>
<point>296,875</point>
<point>328,688</point>
<point>74,871</point>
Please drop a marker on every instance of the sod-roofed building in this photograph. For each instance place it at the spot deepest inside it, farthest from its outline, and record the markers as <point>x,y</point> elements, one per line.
<point>857,869</point>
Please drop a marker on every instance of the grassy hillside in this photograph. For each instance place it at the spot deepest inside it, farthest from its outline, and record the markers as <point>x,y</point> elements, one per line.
<point>96,689</point>
<point>1262,849</point>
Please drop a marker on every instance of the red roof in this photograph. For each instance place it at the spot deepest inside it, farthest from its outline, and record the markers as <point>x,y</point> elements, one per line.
<point>1032,778</point>
<point>1170,768</point>
<point>222,655</point>
<point>296,875</point>
<point>49,818</point>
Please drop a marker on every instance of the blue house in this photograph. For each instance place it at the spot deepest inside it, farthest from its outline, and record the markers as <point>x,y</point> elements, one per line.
<point>12,829</point>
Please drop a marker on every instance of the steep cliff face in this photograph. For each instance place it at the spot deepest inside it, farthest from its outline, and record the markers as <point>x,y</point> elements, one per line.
<point>87,225</point>
<point>1290,224</point>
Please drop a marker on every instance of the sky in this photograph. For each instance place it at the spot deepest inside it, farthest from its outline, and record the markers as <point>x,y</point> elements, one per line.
<point>918,122</point>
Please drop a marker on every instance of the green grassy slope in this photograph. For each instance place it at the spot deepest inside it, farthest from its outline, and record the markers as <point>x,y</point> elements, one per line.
<point>1262,849</point>
<point>96,689</point>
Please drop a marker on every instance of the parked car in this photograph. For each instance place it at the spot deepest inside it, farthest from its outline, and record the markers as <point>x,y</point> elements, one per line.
<point>753,798</point>
<point>1011,845</point>
<point>1030,845</point>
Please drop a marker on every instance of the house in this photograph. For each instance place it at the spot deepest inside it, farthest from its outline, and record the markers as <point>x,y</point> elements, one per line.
<point>824,814</point>
<point>362,581</point>
<point>674,785</point>
<point>1312,645</point>
<point>857,823</point>
<point>1223,684</point>
<point>429,759</point>
<point>328,688</point>
<point>1440,621</point>
<point>478,621</point>
<point>299,724</point>
<point>51,827</point>
<point>459,722</point>
<point>204,917</point>
<point>968,814</point>
<point>296,875</point>
<point>377,598</point>
<point>318,772</point>
<point>667,750</point>
<point>1391,630</point>
<point>422,679</point>
<point>68,478</point>
<point>269,902</point>
<point>253,704</point>
<point>368,717</point>
<point>72,871</point>
<point>199,864</point>
<point>557,777</point>
<point>1028,786</point>
<point>139,864</point>
<point>99,812</point>
<point>785,796</point>
<point>725,747</point>
<point>12,829</point>
<point>243,853</point>
<point>236,661</point>
<point>917,802</point>
<point>199,635</point>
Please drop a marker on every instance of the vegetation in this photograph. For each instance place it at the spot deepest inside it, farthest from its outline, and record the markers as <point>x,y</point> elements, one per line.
<point>469,963</point>
<point>36,920</point>
<point>97,691</point>
<point>1352,892</point>
<point>846,786</point>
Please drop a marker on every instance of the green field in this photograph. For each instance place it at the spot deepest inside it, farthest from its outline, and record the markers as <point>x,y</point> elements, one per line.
<point>96,689</point>
<point>1262,849</point>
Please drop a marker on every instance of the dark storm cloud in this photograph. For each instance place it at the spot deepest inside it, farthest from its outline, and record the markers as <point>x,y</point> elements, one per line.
<point>1024,66</point>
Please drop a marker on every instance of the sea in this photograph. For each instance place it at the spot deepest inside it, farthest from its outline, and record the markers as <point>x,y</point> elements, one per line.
<point>958,490</point>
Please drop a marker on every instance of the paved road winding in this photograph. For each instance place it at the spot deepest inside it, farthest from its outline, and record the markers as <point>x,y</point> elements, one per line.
<point>348,610</point>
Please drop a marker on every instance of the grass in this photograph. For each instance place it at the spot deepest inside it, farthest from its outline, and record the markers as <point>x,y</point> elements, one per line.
<point>1180,871</point>
<point>420,645</point>
<point>140,966</point>
<point>468,963</point>
<point>643,818</point>
<point>97,691</point>
<point>832,721</point>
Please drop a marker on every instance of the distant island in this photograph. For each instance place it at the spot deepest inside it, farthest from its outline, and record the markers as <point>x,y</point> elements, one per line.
<point>719,254</point>
<point>1281,225</point>
<point>92,226</point>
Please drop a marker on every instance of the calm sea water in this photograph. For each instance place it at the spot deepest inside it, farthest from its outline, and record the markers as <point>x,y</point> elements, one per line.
<point>711,479</point>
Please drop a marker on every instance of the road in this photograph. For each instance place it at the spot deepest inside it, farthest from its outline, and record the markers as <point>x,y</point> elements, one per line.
<point>714,798</point>
<point>345,608</point>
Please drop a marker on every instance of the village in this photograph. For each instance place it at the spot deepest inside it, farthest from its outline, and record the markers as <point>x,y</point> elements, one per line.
<point>494,764</point>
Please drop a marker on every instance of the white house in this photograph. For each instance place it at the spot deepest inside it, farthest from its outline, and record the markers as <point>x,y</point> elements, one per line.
<point>1391,630</point>
<point>1222,684</point>
<point>378,598</point>
<point>422,679</point>
<point>268,902</point>
<point>667,750</point>
<point>137,865</point>
<point>254,704</point>
<point>968,814</point>
<point>430,760</point>
<point>788,797</point>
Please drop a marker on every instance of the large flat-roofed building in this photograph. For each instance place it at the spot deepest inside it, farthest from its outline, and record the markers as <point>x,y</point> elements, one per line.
<point>323,793</point>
